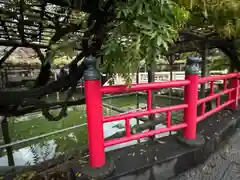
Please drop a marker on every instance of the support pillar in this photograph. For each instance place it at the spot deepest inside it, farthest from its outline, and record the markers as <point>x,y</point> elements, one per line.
<point>189,135</point>
<point>150,94</point>
<point>138,98</point>
<point>7,140</point>
<point>171,62</point>
<point>204,73</point>
<point>204,69</point>
<point>231,67</point>
<point>235,93</point>
<point>99,167</point>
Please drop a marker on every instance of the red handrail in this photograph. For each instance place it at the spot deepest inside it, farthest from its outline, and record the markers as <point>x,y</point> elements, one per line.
<point>211,97</point>
<point>96,119</point>
<point>143,87</point>
<point>217,77</point>
<point>145,134</point>
<point>232,94</point>
<point>143,113</point>
<point>205,115</point>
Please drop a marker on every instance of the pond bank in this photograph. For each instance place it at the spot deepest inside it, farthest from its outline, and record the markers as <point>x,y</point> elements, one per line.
<point>36,125</point>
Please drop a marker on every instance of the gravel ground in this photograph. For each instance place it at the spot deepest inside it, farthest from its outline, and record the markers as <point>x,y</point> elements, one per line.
<point>222,165</point>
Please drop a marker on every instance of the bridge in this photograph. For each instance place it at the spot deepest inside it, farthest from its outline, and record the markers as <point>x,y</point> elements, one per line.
<point>105,163</point>
<point>165,148</point>
<point>99,162</point>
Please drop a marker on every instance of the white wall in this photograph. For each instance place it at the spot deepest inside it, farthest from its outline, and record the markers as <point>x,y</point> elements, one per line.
<point>159,76</point>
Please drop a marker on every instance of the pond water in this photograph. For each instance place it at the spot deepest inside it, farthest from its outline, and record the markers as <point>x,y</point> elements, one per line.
<point>32,125</point>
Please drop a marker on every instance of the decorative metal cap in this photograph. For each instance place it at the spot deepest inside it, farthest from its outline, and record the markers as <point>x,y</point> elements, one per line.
<point>91,73</point>
<point>192,65</point>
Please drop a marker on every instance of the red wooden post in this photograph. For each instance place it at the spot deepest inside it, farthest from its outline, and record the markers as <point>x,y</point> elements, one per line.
<point>234,94</point>
<point>191,98</point>
<point>93,97</point>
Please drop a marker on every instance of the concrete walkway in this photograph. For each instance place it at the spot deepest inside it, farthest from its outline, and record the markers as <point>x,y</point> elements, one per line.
<point>223,165</point>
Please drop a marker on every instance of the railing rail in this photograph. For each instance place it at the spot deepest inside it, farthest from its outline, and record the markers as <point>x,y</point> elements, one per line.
<point>94,92</point>
<point>232,93</point>
<point>160,76</point>
<point>142,87</point>
<point>143,113</point>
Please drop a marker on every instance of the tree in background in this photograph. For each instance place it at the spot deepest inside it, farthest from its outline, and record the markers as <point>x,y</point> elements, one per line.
<point>145,29</point>
<point>121,33</point>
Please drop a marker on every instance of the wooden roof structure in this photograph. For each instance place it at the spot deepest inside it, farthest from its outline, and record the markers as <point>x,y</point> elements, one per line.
<point>42,24</point>
<point>39,23</point>
<point>34,23</point>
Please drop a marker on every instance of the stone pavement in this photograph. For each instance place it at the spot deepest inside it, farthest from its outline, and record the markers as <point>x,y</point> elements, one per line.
<point>222,165</point>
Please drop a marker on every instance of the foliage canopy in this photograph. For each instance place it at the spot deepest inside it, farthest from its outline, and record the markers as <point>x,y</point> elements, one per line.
<point>147,28</point>
<point>135,30</point>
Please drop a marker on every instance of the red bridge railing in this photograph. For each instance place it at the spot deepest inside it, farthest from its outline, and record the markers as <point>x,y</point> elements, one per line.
<point>232,92</point>
<point>95,119</point>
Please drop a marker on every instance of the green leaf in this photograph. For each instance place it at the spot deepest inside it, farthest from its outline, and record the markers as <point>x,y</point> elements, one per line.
<point>159,41</point>
<point>143,25</point>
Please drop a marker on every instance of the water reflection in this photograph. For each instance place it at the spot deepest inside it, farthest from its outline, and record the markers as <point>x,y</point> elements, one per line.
<point>40,152</point>
<point>116,130</point>
<point>34,153</point>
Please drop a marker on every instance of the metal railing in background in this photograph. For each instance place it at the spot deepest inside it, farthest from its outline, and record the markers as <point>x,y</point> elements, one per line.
<point>161,76</point>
